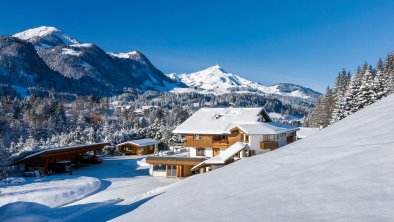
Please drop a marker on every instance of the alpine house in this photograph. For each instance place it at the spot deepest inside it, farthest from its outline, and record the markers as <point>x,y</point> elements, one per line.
<point>215,137</point>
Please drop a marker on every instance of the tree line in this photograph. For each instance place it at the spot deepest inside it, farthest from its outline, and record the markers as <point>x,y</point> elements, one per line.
<point>353,92</point>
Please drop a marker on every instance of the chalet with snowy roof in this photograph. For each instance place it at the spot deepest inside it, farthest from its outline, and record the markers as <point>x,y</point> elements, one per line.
<point>224,135</point>
<point>138,147</point>
<point>48,160</point>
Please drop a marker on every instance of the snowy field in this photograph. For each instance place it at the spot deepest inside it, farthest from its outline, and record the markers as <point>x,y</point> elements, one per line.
<point>93,193</point>
<point>344,172</point>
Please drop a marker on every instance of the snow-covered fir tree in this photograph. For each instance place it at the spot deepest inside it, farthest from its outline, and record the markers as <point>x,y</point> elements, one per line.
<point>4,159</point>
<point>389,74</point>
<point>341,85</point>
<point>379,82</point>
<point>352,93</point>
<point>366,94</point>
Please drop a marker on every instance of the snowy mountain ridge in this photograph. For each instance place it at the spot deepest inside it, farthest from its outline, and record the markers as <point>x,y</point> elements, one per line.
<point>87,68</point>
<point>46,37</point>
<point>216,80</point>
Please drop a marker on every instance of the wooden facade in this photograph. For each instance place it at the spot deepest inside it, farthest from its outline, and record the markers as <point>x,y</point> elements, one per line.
<point>174,166</point>
<point>212,141</point>
<point>268,145</point>
<point>131,149</point>
<point>291,139</point>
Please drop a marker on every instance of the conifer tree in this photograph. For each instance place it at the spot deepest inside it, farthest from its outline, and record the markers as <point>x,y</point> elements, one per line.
<point>4,160</point>
<point>341,85</point>
<point>389,74</point>
<point>379,81</point>
<point>366,95</point>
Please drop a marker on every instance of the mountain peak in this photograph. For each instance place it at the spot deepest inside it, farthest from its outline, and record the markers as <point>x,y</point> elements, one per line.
<point>215,68</point>
<point>133,55</point>
<point>36,32</point>
<point>45,37</point>
<point>126,55</point>
<point>215,80</point>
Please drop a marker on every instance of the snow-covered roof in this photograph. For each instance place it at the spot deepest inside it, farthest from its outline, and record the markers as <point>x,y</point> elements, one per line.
<point>224,155</point>
<point>222,120</point>
<point>266,128</point>
<point>141,142</point>
<point>305,132</point>
<point>49,150</point>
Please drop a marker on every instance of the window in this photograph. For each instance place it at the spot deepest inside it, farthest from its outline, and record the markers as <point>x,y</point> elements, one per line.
<point>200,152</point>
<point>197,137</point>
<point>171,170</point>
<point>220,137</point>
<point>246,138</point>
<point>159,167</point>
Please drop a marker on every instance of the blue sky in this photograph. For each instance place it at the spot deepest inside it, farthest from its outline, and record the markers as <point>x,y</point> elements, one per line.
<point>303,42</point>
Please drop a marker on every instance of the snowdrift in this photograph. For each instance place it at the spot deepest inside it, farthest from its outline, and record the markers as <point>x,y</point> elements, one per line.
<point>342,173</point>
<point>51,191</point>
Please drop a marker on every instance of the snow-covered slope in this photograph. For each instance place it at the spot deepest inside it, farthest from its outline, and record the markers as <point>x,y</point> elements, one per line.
<point>342,173</point>
<point>214,79</point>
<point>46,37</point>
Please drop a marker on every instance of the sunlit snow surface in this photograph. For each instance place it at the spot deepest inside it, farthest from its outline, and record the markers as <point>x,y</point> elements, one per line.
<point>93,193</point>
<point>341,173</point>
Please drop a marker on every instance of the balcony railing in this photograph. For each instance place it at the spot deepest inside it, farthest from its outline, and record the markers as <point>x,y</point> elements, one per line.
<point>220,143</point>
<point>265,145</point>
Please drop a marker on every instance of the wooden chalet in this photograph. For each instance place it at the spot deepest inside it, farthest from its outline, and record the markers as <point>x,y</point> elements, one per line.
<point>43,160</point>
<point>224,135</point>
<point>138,147</point>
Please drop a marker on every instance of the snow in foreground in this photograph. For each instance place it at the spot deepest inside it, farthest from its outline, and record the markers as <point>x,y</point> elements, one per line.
<point>342,173</point>
<point>50,191</point>
<point>94,193</point>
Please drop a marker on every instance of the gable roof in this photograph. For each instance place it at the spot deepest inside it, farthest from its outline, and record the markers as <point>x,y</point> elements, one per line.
<point>224,155</point>
<point>140,142</point>
<point>222,120</point>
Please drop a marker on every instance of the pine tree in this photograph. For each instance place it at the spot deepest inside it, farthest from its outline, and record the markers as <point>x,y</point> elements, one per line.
<point>389,74</point>
<point>341,85</point>
<point>366,95</point>
<point>4,160</point>
<point>379,81</point>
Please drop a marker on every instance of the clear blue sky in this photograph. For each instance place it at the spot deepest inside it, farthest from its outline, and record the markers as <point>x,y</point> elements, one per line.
<point>303,42</point>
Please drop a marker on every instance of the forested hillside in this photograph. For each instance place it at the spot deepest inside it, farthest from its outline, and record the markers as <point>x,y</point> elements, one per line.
<point>36,122</point>
<point>353,92</point>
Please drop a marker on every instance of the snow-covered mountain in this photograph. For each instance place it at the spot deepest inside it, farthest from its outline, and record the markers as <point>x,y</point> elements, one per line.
<point>214,79</point>
<point>90,69</point>
<point>22,67</point>
<point>46,37</point>
<point>341,173</point>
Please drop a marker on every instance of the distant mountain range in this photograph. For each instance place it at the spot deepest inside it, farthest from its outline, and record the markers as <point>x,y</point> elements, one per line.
<point>48,58</point>
<point>215,80</point>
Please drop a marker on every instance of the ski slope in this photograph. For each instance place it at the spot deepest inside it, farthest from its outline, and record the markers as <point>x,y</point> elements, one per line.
<point>344,172</point>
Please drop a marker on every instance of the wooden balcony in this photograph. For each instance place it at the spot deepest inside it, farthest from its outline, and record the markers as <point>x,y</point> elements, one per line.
<point>290,139</point>
<point>265,145</point>
<point>220,143</point>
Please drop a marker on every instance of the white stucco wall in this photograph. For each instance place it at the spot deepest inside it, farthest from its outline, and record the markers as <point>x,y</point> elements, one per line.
<point>159,174</point>
<point>254,143</point>
<point>192,151</point>
<point>208,152</point>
